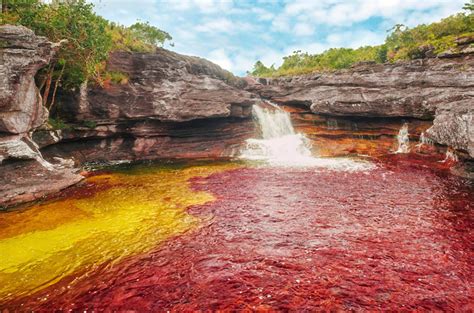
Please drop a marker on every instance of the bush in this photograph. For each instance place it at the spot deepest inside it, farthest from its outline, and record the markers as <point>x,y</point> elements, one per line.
<point>57,123</point>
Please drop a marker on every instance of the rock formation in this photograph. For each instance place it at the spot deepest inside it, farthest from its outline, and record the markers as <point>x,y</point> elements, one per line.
<point>454,126</point>
<point>170,106</point>
<point>436,88</point>
<point>24,174</point>
<point>167,106</point>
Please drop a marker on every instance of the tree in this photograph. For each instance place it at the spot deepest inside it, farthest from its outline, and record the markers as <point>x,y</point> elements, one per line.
<point>149,33</point>
<point>259,69</point>
<point>469,6</point>
<point>85,42</point>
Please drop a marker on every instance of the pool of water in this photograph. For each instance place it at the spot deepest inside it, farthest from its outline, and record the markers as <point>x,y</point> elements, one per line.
<point>236,236</point>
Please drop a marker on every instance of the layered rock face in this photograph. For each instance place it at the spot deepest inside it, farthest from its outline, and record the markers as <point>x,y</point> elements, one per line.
<point>171,106</point>
<point>454,126</point>
<point>24,174</point>
<point>440,88</point>
<point>167,106</point>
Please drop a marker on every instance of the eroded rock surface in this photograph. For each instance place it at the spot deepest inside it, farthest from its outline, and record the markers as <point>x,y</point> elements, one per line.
<point>439,89</point>
<point>24,174</point>
<point>169,106</point>
<point>404,89</point>
<point>22,55</point>
<point>454,126</point>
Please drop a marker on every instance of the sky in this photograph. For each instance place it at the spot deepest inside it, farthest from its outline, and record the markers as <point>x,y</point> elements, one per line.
<point>237,33</point>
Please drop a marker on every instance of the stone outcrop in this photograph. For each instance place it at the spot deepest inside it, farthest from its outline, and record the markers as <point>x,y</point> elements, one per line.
<point>454,126</point>
<point>439,89</point>
<point>166,105</point>
<point>170,106</point>
<point>22,55</point>
<point>24,174</point>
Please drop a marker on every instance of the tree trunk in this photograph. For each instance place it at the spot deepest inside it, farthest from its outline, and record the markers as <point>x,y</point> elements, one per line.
<point>56,87</point>
<point>4,6</point>
<point>47,87</point>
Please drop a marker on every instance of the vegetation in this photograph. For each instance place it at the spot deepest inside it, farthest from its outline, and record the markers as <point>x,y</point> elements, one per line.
<point>86,41</point>
<point>57,123</point>
<point>402,43</point>
<point>139,37</point>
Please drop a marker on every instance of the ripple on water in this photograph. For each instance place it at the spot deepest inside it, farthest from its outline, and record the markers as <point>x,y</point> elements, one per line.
<point>297,239</point>
<point>136,210</point>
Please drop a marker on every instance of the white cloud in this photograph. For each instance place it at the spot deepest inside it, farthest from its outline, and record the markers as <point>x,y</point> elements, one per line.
<point>218,25</point>
<point>222,25</point>
<point>204,6</point>
<point>220,57</point>
<point>281,23</point>
<point>303,29</point>
<point>235,34</point>
<point>340,13</point>
<point>263,14</point>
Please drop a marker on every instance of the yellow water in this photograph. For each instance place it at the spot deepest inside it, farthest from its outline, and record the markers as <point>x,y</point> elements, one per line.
<point>42,244</point>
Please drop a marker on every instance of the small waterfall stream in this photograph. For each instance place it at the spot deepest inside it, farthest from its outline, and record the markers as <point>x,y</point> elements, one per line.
<point>281,145</point>
<point>403,140</point>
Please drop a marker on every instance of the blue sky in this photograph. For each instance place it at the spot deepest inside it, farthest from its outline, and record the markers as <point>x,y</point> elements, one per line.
<point>235,34</point>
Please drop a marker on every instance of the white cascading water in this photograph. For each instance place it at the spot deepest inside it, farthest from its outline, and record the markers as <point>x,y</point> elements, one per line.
<point>451,156</point>
<point>424,141</point>
<point>403,140</point>
<point>280,145</point>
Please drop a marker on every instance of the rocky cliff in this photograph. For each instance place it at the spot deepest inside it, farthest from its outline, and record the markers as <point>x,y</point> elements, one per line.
<point>350,103</point>
<point>24,174</point>
<point>166,106</point>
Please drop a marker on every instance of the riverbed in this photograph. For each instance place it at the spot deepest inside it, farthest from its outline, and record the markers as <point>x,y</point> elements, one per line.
<point>241,236</point>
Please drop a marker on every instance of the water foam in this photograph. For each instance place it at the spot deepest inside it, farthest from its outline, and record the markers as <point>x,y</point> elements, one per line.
<point>281,145</point>
<point>403,139</point>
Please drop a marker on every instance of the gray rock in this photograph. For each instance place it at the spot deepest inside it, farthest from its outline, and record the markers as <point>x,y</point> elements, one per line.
<point>404,89</point>
<point>164,86</point>
<point>27,176</point>
<point>454,126</point>
<point>22,54</point>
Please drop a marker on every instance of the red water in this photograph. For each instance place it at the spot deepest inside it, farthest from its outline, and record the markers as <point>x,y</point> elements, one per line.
<point>397,238</point>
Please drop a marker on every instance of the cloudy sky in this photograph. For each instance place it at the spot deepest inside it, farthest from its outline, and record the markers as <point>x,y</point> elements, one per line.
<point>237,33</point>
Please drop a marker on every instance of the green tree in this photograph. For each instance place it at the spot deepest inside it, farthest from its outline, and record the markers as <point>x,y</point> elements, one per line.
<point>469,6</point>
<point>259,69</point>
<point>149,34</point>
<point>85,44</point>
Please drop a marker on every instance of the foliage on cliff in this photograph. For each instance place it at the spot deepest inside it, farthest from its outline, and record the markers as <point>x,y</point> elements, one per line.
<point>86,40</point>
<point>402,43</point>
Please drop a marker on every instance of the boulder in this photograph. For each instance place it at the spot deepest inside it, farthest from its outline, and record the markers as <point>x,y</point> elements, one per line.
<point>454,126</point>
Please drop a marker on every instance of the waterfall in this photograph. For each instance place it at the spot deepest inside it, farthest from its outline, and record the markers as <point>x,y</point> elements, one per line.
<point>451,156</point>
<point>403,140</point>
<point>424,141</point>
<point>281,145</point>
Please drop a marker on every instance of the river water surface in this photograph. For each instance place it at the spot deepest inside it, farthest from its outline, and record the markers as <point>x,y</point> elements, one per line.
<point>330,234</point>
